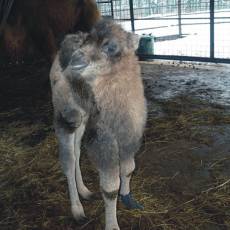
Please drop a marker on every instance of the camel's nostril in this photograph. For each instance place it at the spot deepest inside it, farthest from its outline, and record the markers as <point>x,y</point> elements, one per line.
<point>78,65</point>
<point>78,61</point>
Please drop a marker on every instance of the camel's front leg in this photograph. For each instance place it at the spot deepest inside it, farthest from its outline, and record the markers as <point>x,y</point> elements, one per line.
<point>109,183</point>
<point>103,151</point>
<point>68,161</point>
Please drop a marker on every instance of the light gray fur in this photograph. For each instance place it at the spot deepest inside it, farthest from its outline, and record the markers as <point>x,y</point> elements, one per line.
<point>97,88</point>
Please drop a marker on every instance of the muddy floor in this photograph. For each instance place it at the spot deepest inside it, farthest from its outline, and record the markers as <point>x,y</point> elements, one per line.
<point>183,167</point>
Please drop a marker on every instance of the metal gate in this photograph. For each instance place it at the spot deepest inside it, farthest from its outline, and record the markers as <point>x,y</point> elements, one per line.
<point>186,30</point>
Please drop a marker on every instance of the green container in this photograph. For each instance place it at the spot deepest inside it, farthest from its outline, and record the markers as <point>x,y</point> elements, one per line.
<point>146,44</point>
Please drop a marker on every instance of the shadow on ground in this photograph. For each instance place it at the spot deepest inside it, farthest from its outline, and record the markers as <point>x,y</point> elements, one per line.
<point>183,167</point>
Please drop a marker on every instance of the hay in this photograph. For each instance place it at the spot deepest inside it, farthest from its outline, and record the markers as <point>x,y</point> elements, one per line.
<point>170,180</point>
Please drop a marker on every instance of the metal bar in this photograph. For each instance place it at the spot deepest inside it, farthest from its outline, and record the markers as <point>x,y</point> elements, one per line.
<point>176,18</point>
<point>184,58</point>
<point>184,24</point>
<point>112,12</point>
<point>184,13</point>
<point>179,18</point>
<point>132,15</point>
<point>212,28</point>
<point>103,2</point>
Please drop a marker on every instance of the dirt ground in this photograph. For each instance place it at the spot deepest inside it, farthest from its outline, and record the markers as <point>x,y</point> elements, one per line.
<point>183,167</point>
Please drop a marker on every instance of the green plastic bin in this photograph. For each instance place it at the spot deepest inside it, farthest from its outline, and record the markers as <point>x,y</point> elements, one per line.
<point>146,45</point>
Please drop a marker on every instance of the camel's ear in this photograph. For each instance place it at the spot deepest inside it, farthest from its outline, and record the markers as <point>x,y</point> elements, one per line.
<point>133,40</point>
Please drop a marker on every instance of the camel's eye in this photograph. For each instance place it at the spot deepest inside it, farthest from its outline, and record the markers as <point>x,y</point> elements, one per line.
<point>111,48</point>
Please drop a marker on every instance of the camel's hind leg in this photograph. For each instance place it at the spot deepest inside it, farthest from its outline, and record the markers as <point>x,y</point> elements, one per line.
<point>127,166</point>
<point>68,161</point>
<point>82,189</point>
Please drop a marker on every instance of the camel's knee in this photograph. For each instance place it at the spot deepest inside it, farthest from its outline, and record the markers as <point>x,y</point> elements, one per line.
<point>112,195</point>
<point>109,184</point>
<point>69,119</point>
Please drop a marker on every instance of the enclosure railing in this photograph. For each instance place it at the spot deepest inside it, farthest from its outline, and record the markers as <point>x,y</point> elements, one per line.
<point>196,30</point>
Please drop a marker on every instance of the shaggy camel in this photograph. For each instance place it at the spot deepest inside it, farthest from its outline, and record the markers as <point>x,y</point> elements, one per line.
<point>98,91</point>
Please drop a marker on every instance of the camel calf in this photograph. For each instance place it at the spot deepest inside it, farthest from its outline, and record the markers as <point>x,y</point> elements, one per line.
<point>97,91</point>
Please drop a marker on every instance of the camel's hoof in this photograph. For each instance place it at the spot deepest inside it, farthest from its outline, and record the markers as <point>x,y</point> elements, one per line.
<point>78,214</point>
<point>130,202</point>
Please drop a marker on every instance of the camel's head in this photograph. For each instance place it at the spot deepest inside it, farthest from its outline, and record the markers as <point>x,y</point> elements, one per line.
<point>98,52</point>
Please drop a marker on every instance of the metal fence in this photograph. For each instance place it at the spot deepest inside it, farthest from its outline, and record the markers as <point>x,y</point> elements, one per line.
<point>5,7</point>
<point>196,30</point>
